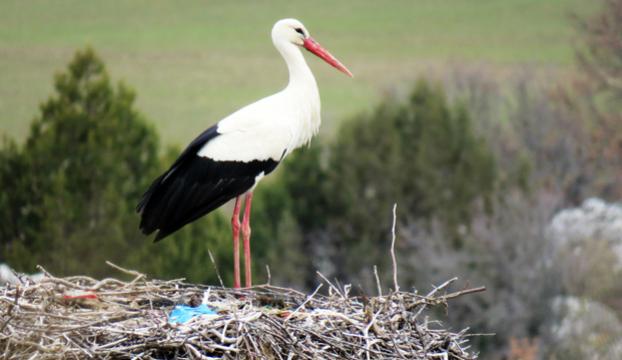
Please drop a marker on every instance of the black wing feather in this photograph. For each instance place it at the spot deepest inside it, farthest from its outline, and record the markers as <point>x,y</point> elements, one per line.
<point>193,186</point>
<point>191,150</point>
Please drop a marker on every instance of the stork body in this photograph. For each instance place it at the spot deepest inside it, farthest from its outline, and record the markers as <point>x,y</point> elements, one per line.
<point>228,159</point>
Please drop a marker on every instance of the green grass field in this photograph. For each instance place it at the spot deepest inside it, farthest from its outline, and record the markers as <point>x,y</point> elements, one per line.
<point>193,62</point>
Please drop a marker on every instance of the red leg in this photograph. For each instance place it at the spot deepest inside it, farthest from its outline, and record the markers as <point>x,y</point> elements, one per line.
<point>246,233</point>
<point>235,225</point>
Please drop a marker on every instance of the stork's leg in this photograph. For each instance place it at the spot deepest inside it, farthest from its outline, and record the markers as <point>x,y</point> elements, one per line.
<point>235,225</point>
<point>246,233</point>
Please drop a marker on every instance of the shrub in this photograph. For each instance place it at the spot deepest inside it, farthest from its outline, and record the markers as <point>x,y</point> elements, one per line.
<point>421,153</point>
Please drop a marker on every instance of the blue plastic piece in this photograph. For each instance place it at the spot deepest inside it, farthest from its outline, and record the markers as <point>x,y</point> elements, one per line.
<point>183,313</point>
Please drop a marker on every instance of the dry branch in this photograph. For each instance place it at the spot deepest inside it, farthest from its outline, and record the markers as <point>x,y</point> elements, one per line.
<point>118,319</point>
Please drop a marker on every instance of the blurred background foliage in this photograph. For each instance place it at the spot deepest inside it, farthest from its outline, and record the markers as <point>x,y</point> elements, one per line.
<point>511,181</point>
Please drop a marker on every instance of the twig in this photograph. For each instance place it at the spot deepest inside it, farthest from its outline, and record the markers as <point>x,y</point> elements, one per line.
<point>366,334</point>
<point>377,280</point>
<point>268,274</point>
<point>434,291</point>
<point>336,289</point>
<point>211,257</point>
<point>393,259</point>
<point>304,303</point>
<point>463,292</point>
<point>124,270</point>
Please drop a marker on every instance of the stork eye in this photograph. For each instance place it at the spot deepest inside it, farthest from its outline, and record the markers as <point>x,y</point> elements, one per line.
<point>299,30</point>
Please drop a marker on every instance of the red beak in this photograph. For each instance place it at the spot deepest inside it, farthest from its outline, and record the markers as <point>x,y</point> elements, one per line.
<point>317,49</point>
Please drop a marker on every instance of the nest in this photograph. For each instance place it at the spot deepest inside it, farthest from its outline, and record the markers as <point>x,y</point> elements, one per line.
<point>80,317</point>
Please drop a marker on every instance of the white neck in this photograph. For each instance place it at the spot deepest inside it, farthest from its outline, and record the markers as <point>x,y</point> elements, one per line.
<point>299,73</point>
<point>302,88</point>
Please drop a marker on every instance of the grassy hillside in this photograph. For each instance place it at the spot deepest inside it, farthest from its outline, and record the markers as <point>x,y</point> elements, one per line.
<point>193,62</point>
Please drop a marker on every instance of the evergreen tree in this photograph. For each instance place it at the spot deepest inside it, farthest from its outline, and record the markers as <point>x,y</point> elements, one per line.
<point>74,184</point>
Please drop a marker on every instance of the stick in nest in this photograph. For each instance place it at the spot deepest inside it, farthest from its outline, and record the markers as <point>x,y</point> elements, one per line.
<point>393,259</point>
<point>131,321</point>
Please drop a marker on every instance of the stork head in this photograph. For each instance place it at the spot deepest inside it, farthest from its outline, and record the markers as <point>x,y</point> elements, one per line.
<point>294,32</point>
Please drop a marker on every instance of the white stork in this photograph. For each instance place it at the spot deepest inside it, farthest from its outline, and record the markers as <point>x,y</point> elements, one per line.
<point>227,160</point>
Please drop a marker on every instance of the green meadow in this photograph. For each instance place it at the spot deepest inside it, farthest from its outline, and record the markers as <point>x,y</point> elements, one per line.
<point>193,62</point>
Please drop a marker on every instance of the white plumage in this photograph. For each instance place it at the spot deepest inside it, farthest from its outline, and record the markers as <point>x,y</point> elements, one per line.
<point>230,158</point>
<point>279,123</point>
